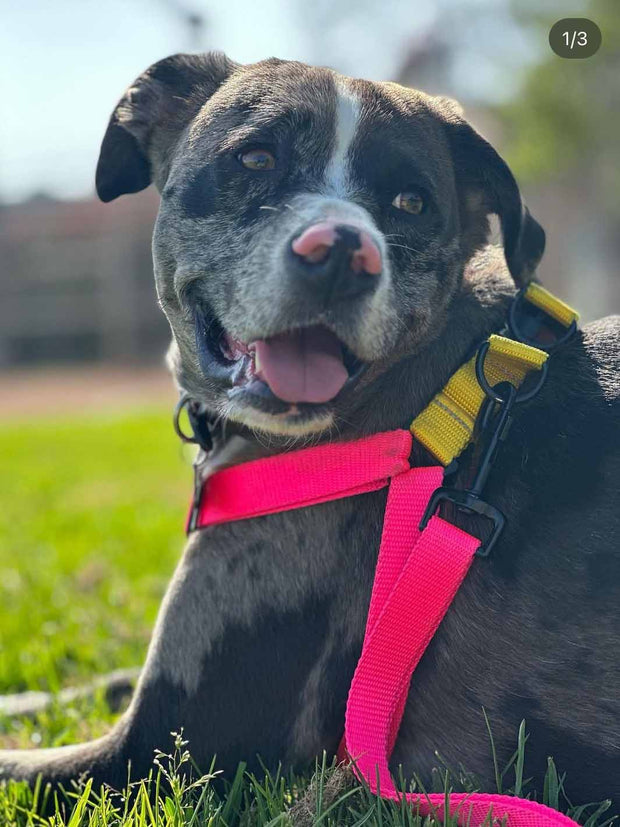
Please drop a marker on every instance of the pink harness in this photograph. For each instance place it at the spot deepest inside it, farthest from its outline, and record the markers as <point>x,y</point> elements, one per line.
<point>417,576</point>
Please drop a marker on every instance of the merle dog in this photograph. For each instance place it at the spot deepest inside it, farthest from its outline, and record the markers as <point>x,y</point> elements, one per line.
<point>321,255</point>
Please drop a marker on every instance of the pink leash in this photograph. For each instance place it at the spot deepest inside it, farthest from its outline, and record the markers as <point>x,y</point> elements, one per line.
<point>417,576</point>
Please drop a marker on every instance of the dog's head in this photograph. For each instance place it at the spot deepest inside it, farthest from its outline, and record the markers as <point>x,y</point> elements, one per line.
<point>313,228</point>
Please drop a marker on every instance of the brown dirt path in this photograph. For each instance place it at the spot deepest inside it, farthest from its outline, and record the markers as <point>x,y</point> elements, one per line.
<point>66,390</point>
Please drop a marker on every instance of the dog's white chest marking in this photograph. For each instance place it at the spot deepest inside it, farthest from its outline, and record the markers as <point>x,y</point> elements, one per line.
<point>338,174</point>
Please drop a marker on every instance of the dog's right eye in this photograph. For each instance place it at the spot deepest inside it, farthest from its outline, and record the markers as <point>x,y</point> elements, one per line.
<point>410,202</point>
<point>258,159</point>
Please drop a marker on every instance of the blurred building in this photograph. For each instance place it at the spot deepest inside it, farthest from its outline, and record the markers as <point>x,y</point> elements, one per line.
<point>77,283</point>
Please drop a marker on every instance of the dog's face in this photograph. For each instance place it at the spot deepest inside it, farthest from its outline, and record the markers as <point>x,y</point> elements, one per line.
<point>312,228</point>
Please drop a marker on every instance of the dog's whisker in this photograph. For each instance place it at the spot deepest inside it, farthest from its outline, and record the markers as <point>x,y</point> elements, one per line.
<point>292,209</point>
<point>403,247</point>
<point>401,324</point>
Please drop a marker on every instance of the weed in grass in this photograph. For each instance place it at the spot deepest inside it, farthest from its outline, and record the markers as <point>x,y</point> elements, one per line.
<point>176,795</point>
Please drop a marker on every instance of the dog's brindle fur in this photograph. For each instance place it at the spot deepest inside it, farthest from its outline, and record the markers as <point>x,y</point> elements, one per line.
<point>262,625</point>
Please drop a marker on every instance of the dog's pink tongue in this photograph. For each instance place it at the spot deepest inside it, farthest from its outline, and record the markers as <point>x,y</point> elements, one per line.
<point>303,366</point>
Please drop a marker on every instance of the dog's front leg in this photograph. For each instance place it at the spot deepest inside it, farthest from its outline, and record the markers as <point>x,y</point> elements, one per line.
<point>257,641</point>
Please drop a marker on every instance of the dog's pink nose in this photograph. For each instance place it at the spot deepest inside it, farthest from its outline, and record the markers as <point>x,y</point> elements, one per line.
<point>316,244</point>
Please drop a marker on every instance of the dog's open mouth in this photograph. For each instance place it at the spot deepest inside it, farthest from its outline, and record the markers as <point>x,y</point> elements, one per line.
<point>308,366</point>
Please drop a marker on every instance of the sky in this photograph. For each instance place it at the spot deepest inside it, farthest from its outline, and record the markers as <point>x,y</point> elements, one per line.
<point>65,63</point>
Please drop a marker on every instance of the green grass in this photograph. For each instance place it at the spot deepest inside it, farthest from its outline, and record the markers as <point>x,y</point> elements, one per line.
<point>91,526</point>
<point>330,797</point>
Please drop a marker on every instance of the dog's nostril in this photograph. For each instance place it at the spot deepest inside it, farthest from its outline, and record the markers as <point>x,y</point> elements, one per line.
<point>318,254</point>
<point>315,243</point>
<point>368,257</point>
<point>341,243</point>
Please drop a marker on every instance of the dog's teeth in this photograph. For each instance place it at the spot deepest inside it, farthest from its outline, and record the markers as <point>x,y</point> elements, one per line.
<point>257,364</point>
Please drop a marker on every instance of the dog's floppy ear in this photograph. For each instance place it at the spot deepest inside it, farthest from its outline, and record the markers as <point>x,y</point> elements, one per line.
<point>486,186</point>
<point>150,117</point>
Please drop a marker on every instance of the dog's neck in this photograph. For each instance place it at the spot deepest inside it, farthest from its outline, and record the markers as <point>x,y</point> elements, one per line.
<point>391,397</point>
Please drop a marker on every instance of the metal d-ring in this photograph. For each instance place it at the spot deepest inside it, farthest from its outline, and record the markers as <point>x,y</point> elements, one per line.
<point>491,391</point>
<point>183,402</point>
<point>199,423</point>
<point>518,334</point>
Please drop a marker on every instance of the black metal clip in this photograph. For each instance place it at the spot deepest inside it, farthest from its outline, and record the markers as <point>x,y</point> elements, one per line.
<point>524,326</point>
<point>493,427</point>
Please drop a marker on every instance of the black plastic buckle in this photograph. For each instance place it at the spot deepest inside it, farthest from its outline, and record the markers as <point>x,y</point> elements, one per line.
<point>467,501</point>
<point>534,320</point>
<point>492,427</point>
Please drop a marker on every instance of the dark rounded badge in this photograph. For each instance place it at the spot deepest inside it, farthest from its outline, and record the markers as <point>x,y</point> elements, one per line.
<point>575,37</point>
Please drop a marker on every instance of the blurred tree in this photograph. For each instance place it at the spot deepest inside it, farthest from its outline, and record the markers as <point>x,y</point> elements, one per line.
<point>565,121</point>
<point>194,21</point>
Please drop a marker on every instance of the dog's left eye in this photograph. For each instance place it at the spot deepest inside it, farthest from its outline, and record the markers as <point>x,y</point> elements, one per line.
<point>410,201</point>
<point>258,159</point>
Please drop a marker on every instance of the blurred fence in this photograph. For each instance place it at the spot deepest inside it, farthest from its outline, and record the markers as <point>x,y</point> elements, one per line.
<point>77,282</point>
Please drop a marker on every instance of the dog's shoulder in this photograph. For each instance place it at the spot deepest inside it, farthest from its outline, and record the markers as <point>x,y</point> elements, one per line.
<point>601,341</point>
<point>584,375</point>
<point>566,441</point>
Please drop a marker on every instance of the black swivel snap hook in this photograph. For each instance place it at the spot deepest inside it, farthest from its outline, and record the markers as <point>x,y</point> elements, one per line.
<point>492,426</point>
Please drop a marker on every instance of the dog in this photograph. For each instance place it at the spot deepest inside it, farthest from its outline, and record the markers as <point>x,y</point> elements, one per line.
<point>321,253</point>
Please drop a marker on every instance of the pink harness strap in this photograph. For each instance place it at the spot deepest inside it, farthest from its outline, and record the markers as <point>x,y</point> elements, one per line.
<point>306,477</point>
<point>416,579</point>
